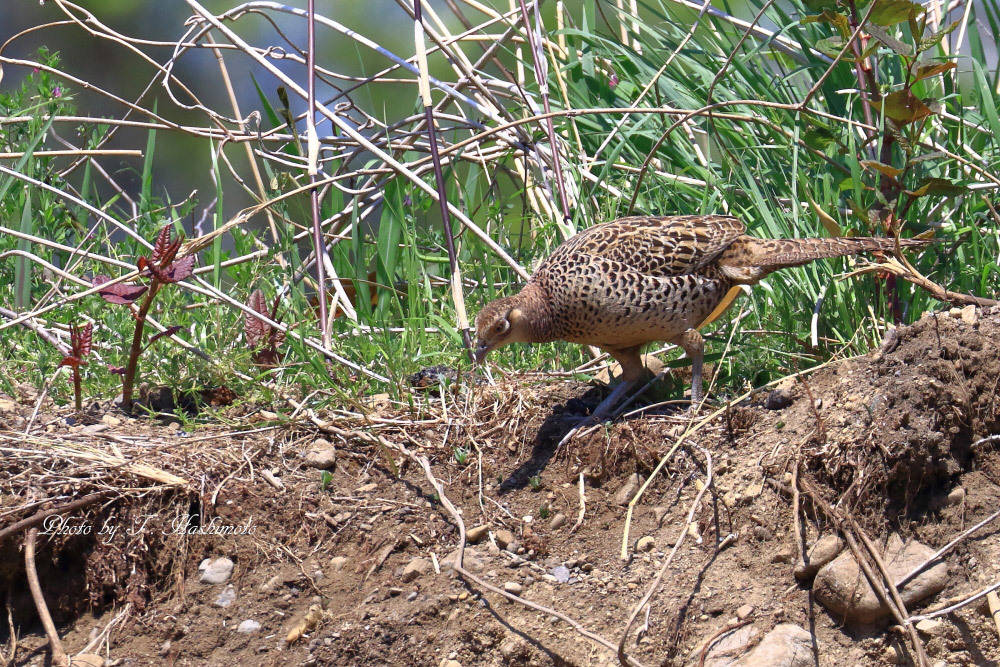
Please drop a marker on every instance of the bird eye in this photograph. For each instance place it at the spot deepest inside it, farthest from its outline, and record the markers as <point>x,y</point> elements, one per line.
<point>502,326</point>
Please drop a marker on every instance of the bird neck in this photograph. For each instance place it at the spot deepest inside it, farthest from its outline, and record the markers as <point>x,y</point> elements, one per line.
<point>536,308</point>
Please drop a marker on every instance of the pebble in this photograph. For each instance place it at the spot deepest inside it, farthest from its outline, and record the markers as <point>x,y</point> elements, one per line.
<point>111,420</point>
<point>787,645</point>
<point>658,513</point>
<point>451,663</point>
<point>476,535</point>
<point>226,597</point>
<point>825,550</point>
<point>931,627</point>
<point>743,611</point>
<point>841,588</point>
<point>248,626</point>
<point>503,538</point>
<point>956,496</point>
<point>337,563</point>
<point>321,458</point>
<point>762,534</point>
<point>513,587</point>
<point>777,399</point>
<point>415,568</point>
<point>87,660</point>
<point>558,521</point>
<point>366,488</point>
<point>215,570</point>
<point>646,543</point>
<point>627,491</point>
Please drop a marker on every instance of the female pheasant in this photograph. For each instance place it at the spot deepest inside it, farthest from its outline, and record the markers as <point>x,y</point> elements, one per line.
<point>622,284</point>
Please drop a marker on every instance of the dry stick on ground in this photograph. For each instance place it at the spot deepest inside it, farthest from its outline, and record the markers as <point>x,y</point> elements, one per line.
<point>623,657</point>
<point>583,508</point>
<point>468,576</point>
<point>59,656</point>
<point>954,604</point>
<point>945,549</point>
<point>36,519</point>
<point>994,603</point>
<point>887,592</point>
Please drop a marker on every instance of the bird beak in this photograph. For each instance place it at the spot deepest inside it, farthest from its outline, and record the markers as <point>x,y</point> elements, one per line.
<point>482,349</point>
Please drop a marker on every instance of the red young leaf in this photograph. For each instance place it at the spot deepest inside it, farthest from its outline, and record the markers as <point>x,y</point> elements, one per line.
<point>72,362</point>
<point>255,329</point>
<point>118,293</point>
<point>161,249</point>
<point>177,271</point>
<point>169,331</point>
<point>81,339</point>
<point>117,370</point>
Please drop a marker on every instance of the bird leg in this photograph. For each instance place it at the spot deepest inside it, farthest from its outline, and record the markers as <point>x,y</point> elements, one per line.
<point>694,348</point>
<point>632,371</point>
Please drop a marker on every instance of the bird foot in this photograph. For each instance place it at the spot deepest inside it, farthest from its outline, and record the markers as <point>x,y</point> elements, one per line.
<point>603,409</point>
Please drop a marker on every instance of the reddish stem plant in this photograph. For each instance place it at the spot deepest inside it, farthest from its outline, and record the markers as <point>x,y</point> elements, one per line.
<point>263,338</point>
<point>80,342</point>
<point>163,268</point>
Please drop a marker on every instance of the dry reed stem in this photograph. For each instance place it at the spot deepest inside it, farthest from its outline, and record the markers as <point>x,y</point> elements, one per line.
<point>59,656</point>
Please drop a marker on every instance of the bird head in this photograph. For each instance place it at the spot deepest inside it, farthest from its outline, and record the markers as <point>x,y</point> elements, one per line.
<point>498,323</point>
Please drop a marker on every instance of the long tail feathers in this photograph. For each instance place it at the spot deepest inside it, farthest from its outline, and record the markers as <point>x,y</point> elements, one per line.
<point>749,259</point>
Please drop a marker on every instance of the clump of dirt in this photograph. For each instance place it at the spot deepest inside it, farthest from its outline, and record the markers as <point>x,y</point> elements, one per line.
<point>905,439</point>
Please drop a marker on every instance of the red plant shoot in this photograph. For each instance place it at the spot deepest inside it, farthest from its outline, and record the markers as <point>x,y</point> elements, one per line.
<point>80,342</point>
<point>263,338</point>
<point>163,268</point>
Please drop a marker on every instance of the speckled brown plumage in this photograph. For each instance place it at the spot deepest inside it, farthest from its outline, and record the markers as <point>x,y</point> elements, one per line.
<point>625,283</point>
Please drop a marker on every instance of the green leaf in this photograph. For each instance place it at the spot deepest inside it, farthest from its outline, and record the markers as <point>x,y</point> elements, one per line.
<point>903,107</point>
<point>836,19</point>
<point>818,138</point>
<point>830,46</point>
<point>897,46</point>
<point>891,12</point>
<point>938,186</point>
<point>931,40</point>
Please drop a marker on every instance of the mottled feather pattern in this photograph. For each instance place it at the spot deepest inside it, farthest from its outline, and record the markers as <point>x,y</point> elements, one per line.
<point>621,284</point>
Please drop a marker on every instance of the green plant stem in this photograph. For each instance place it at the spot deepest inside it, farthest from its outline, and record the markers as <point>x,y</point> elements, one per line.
<point>128,382</point>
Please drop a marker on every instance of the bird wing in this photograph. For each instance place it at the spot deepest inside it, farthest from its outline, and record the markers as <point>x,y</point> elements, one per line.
<point>655,246</point>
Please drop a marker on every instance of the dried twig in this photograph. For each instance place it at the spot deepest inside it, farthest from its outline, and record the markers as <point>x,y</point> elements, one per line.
<point>59,656</point>
<point>583,507</point>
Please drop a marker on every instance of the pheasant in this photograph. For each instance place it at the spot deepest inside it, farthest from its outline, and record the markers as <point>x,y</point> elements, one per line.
<point>622,284</point>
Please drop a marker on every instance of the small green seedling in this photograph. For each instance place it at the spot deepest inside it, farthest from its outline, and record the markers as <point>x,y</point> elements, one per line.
<point>461,455</point>
<point>535,482</point>
<point>325,478</point>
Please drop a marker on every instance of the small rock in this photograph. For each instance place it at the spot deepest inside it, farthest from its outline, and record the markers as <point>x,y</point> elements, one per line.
<point>476,535</point>
<point>111,420</point>
<point>825,550</point>
<point>931,627</point>
<point>969,315</point>
<point>725,649</point>
<point>777,399</point>
<point>267,415</point>
<point>786,554</point>
<point>321,458</point>
<point>451,663</point>
<point>87,660</point>
<point>248,626</point>
<point>91,429</point>
<point>658,513</point>
<point>558,521</point>
<point>415,568</point>
<point>472,561</point>
<point>226,597</point>
<point>366,488</point>
<point>627,490</point>
<point>743,611</point>
<point>841,588</point>
<point>215,570</point>
<point>787,645</point>
<point>645,544</point>
<point>560,573</point>
<point>892,656</point>
<point>337,563</point>
<point>513,587</point>
<point>762,534</point>
<point>503,537</point>
<point>955,312</point>
<point>956,496</point>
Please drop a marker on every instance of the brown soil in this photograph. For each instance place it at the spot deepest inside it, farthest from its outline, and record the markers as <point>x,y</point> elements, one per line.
<point>886,438</point>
